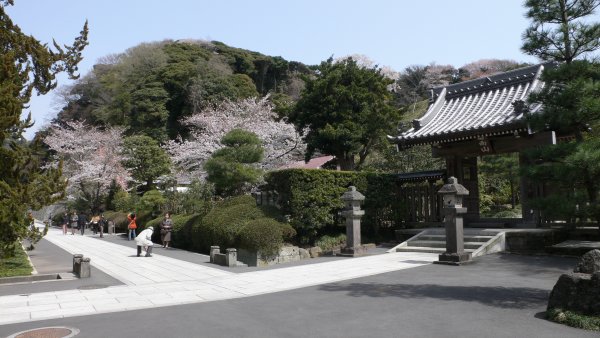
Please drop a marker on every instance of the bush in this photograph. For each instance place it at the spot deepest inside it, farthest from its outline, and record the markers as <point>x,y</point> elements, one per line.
<point>574,319</point>
<point>328,243</point>
<point>265,235</point>
<point>224,225</point>
<point>311,199</point>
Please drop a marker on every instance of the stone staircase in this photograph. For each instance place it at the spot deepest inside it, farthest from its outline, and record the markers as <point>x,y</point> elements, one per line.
<point>477,241</point>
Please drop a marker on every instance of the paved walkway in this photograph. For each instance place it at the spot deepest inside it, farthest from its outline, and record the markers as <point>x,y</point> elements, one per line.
<point>163,281</point>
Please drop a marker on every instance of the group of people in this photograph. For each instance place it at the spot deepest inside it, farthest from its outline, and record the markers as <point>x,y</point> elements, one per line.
<point>80,222</point>
<point>144,239</point>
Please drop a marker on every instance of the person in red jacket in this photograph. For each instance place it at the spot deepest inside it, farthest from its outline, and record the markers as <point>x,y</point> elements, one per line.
<point>132,226</point>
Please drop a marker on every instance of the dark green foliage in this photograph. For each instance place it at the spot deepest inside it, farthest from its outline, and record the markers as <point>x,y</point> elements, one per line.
<point>230,168</point>
<point>347,110</point>
<point>571,101</point>
<point>227,221</point>
<point>328,243</point>
<point>152,86</point>
<point>559,30</point>
<point>498,178</point>
<point>574,319</point>
<point>181,234</point>
<point>18,265</point>
<point>571,98</point>
<point>311,199</point>
<point>265,235</point>
<point>25,65</point>
<point>152,201</point>
<point>146,159</point>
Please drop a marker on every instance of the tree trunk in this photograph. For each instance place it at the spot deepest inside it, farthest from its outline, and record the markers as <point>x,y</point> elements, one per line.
<point>346,163</point>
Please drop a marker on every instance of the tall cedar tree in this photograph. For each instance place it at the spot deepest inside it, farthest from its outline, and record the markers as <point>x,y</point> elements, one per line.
<point>345,111</point>
<point>25,65</point>
<point>571,106</point>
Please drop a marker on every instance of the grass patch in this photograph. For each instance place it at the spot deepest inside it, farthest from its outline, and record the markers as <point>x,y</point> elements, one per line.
<point>15,266</point>
<point>574,319</point>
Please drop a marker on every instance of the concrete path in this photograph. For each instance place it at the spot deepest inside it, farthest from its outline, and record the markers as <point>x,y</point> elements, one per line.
<point>163,281</point>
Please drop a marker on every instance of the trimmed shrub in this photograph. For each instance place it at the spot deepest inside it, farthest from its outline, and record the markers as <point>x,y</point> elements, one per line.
<point>225,223</point>
<point>311,199</point>
<point>264,235</point>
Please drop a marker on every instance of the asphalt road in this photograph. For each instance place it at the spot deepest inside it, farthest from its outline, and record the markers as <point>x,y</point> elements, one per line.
<point>499,295</point>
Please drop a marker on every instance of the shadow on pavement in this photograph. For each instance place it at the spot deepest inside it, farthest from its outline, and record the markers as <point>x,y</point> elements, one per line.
<point>502,297</point>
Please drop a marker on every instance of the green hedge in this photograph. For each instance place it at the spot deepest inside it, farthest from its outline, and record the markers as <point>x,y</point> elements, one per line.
<point>225,226</point>
<point>312,199</point>
<point>265,235</point>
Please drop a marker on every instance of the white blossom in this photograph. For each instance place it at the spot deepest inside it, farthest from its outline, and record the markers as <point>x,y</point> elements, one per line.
<point>91,156</point>
<point>281,142</point>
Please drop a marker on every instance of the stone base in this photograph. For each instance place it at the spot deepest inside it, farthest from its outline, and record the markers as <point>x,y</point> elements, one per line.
<point>454,258</point>
<point>353,251</point>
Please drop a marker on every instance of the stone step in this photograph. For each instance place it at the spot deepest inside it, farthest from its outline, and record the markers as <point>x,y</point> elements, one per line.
<point>467,238</point>
<point>442,244</point>
<point>425,249</point>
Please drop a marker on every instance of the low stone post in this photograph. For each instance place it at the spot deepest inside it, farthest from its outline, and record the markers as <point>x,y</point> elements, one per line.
<point>452,210</point>
<point>214,250</point>
<point>352,200</point>
<point>231,257</point>
<point>85,270</point>
<point>76,263</point>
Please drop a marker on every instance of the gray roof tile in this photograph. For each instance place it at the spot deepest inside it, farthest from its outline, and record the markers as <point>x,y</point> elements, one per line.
<point>472,108</point>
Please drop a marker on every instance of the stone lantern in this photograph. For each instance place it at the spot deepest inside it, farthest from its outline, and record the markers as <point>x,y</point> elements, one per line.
<point>352,201</point>
<point>452,210</point>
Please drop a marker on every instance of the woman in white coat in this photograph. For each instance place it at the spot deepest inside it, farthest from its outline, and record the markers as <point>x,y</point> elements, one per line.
<point>144,239</point>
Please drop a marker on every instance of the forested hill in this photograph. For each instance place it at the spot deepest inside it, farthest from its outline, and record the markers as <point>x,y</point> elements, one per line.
<point>150,87</point>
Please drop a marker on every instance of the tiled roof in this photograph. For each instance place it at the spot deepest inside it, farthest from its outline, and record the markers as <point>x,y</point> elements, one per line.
<point>314,163</point>
<point>474,108</point>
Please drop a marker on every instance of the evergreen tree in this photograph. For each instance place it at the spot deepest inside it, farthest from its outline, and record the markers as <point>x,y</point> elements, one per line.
<point>145,159</point>
<point>345,111</point>
<point>570,105</point>
<point>559,31</point>
<point>26,65</point>
<point>230,168</point>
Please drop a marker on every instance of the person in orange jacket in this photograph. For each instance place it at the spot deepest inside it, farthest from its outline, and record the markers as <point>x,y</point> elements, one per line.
<point>132,226</point>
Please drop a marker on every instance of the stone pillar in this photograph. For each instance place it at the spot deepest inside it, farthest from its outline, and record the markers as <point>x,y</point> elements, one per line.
<point>231,257</point>
<point>76,263</point>
<point>352,200</point>
<point>85,270</point>
<point>452,210</point>
<point>214,250</point>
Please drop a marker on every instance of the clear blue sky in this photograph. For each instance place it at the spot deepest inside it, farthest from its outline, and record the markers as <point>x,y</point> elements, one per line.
<point>395,33</point>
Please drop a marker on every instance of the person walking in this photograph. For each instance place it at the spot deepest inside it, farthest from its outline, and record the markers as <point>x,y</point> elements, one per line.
<point>166,227</point>
<point>65,222</point>
<point>101,225</point>
<point>144,240</point>
<point>132,226</point>
<point>74,222</point>
<point>82,222</point>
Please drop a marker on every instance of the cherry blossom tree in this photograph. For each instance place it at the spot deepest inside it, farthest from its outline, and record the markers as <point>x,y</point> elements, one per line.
<point>279,139</point>
<point>91,159</point>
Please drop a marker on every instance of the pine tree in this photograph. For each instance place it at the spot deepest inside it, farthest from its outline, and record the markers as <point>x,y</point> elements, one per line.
<point>570,104</point>
<point>558,31</point>
<point>26,65</point>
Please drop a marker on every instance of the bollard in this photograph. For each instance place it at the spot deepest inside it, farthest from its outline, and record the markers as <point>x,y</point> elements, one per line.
<point>231,257</point>
<point>85,268</point>
<point>76,262</point>
<point>214,250</point>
